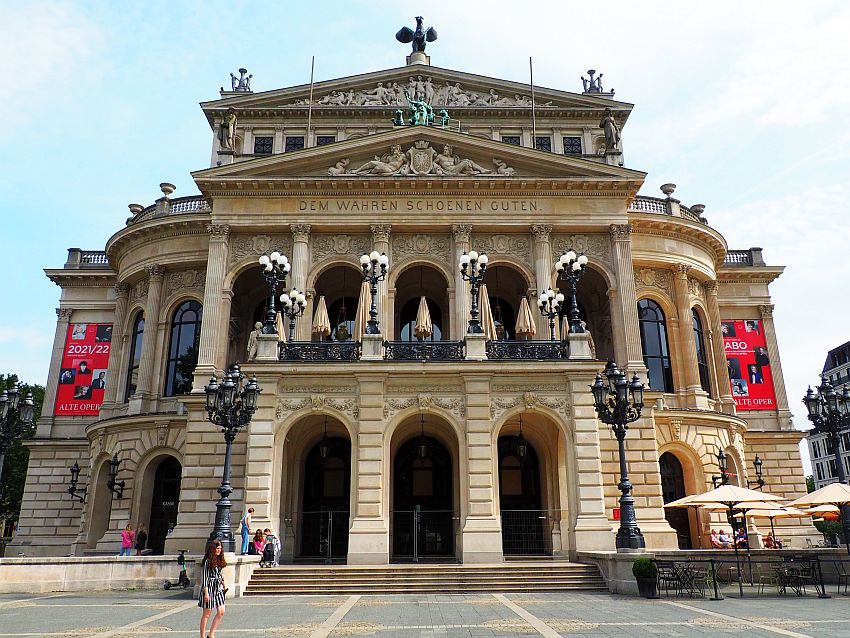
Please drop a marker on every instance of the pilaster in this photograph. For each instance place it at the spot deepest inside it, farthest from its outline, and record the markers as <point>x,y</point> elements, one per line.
<point>721,371</point>
<point>45,423</point>
<point>381,243</point>
<point>621,234</point>
<point>460,316</point>
<point>766,312</point>
<point>542,269</point>
<point>695,396</point>
<point>140,401</point>
<point>298,274</point>
<point>116,354</point>
<point>213,341</point>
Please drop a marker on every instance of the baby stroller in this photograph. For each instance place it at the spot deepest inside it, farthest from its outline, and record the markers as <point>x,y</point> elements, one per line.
<point>270,551</point>
<point>183,579</point>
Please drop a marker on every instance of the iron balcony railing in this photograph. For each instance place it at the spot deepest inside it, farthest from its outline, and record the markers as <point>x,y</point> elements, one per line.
<point>526,350</point>
<point>319,351</point>
<point>424,350</point>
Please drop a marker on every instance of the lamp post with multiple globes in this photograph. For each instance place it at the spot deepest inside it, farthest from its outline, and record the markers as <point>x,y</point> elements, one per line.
<point>550,304</point>
<point>472,269</point>
<point>374,267</point>
<point>275,267</point>
<point>570,267</point>
<point>294,302</point>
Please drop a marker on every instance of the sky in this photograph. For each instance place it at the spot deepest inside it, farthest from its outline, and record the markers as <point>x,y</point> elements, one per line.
<point>744,105</point>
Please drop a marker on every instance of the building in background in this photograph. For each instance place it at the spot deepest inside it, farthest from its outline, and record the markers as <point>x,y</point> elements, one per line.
<point>515,461</point>
<point>836,370</point>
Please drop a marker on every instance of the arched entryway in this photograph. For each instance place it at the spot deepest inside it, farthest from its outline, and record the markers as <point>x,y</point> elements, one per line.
<point>165,500</point>
<point>506,287</point>
<point>672,489</point>
<point>417,281</point>
<point>340,286</point>
<point>100,506</point>
<point>594,310</point>
<point>424,491</point>
<point>524,529</point>
<point>325,501</point>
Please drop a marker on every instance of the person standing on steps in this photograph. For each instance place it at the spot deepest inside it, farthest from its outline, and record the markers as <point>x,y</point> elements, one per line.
<point>213,590</point>
<point>246,530</point>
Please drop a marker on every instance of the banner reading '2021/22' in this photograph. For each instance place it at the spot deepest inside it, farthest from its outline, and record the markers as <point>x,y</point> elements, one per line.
<point>84,372</point>
<point>749,365</point>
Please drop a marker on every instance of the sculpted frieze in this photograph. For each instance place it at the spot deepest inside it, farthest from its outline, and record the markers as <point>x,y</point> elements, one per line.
<point>425,401</point>
<point>185,280</point>
<point>512,245</point>
<point>655,278</point>
<point>349,245</point>
<point>695,288</point>
<point>242,246</point>
<point>318,402</point>
<point>593,245</point>
<point>139,291</point>
<point>529,401</point>
<point>438,246</point>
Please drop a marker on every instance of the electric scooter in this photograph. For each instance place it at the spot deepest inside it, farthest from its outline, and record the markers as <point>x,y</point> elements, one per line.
<point>183,579</point>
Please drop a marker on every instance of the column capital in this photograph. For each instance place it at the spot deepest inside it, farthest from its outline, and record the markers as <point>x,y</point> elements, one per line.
<point>766,311</point>
<point>461,232</point>
<point>541,232</point>
<point>381,232</point>
<point>155,272</point>
<point>620,232</point>
<point>711,287</point>
<point>681,271</point>
<point>300,232</point>
<point>218,231</point>
<point>121,289</point>
<point>64,314</point>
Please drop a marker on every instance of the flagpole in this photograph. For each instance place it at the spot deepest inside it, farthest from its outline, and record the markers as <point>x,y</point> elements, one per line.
<point>533,118</point>
<point>310,101</point>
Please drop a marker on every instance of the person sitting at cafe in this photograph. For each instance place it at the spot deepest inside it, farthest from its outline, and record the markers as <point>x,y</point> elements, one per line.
<point>768,542</point>
<point>771,542</point>
<point>725,539</point>
<point>715,542</point>
<point>741,539</point>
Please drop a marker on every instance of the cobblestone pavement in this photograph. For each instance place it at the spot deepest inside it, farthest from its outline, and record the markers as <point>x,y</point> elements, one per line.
<point>150,614</point>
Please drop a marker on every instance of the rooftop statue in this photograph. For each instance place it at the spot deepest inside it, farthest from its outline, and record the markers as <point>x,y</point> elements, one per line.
<point>421,112</point>
<point>418,37</point>
<point>594,84</point>
<point>611,130</point>
<point>242,84</point>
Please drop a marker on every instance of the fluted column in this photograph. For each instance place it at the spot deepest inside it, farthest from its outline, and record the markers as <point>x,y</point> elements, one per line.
<point>116,354</point>
<point>626,305</point>
<point>542,270</point>
<point>213,341</point>
<point>144,387</point>
<point>724,388</point>
<point>686,327</point>
<point>381,243</point>
<point>460,316</point>
<point>298,274</point>
<point>45,423</point>
<point>766,312</point>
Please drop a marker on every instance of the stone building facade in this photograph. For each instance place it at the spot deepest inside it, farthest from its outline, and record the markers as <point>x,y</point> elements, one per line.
<point>181,288</point>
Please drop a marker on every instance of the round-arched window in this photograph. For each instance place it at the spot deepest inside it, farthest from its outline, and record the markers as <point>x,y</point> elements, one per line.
<point>183,348</point>
<point>653,340</point>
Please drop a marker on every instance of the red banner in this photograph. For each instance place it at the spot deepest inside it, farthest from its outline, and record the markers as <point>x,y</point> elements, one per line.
<point>749,365</point>
<point>84,372</point>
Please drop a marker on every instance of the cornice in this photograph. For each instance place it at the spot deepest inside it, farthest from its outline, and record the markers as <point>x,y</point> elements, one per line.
<point>81,279</point>
<point>681,229</point>
<point>700,417</point>
<point>749,274</point>
<point>160,228</point>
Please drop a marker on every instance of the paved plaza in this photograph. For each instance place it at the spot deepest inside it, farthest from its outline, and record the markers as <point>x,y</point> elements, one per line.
<point>159,614</point>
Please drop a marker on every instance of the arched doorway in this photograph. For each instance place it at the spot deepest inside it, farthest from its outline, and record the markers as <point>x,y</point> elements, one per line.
<point>100,506</point>
<point>673,488</point>
<point>325,503</point>
<point>340,286</point>
<point>164,502</point>
<point>415,282</point>
<point>248,306</point>
<point>520,498</point>
<point>423,512</point>
<point>506,287</point>
<point>594,309</point>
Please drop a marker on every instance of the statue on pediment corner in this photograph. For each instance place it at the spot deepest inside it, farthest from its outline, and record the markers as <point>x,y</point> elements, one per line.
<point>611,130</point>
<point>227,130</point>
<point>447,163</point>
<point>393,163</point>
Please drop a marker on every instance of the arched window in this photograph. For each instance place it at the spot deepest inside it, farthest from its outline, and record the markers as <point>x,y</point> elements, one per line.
<point>504,317</point>
<point>653,340</point>
<point>183,348</point>
<point>407,320</point>
<point>135,356</point>
<point>702,359</point>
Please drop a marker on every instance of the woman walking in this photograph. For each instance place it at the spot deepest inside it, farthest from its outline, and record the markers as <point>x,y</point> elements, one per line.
<point>246,530</point>
<point>212,588</point>
<point>127,536</point>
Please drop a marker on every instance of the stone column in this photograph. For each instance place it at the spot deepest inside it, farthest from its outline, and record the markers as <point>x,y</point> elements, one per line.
<point>212,340</point>
<point>116,348</point>
<point>147,362</point>
<point>381,243</point>
<point>542,271</point>
<point>45,423</point>
<point>298,275</point>
<point>460,316</point>
<point>621,234</point>
<point>724,387</point>
<point>696,397</point>
<point>766,312</point>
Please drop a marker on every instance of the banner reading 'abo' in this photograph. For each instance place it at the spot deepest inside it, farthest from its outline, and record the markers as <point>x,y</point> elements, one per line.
<point>84,372</point>
<point>749,365</point>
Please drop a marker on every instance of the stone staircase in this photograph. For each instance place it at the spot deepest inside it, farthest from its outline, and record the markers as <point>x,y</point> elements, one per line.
<point>514,576</point>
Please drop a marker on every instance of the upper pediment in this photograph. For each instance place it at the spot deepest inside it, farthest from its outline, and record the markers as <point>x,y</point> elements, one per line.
<point>417,152</point>
<point>439,87</point>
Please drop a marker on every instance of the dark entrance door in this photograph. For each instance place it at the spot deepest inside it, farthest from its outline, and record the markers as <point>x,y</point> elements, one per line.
<point>423,514</point>
<point>325,510</point>
<point>525,525</point>
<point>166,498</point>
<point>673,488</point>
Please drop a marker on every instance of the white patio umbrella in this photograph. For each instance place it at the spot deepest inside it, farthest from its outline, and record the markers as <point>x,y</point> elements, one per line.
<point>525,326</point>
<point>362,314</point>
<point>321,321</point>
<point>281,329</point>
<point>686,502</point>
<point>423,328</point>
<point>837,494</point>
<point>485,314</point>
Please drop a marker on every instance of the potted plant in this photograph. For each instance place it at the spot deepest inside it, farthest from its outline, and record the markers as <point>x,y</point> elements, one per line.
<point>646,575</point>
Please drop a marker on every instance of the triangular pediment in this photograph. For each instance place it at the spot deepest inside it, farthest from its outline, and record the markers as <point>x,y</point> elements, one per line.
<point>418,152</point>
<point>444,88</point>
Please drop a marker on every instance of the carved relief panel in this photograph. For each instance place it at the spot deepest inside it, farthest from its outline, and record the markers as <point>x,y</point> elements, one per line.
<point>437,246</point>
<point>597,246</point>
<point>517,246</point>
<point>244,246</point>
<point>325,246</point>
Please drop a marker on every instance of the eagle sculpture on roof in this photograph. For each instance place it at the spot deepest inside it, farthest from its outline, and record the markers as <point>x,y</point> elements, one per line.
<point>418,37</point>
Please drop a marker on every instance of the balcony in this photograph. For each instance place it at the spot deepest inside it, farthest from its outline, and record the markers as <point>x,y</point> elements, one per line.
<point>177,206</point>
<point>751,257</point>
<point>424,350</point>
<point>526,350</point>
<point>668,206</point>
<point>319,351</point>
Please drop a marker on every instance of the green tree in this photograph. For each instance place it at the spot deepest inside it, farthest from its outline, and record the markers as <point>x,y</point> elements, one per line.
<point>15,466</point>
<point>810,483</point>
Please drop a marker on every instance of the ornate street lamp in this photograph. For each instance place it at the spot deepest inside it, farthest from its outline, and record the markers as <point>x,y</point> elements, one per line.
<point>73,490</point>
<point>15,419</point>
<point>757,463</point>
<point>472,269</point>
<point>723,464</point>
<point>294,303</point>
<point>570,268</point>
<point>275,267</point>
<point>324,444</point>
<point>618,403</point>
<point>829,412</point>
<point>374,266</point>
<point>230,405</point>
<point>550,304</point>
<point>521,444</point>
<point>113,485</point>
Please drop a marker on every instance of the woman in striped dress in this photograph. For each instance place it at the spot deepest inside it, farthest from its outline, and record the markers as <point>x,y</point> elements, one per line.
<point>212,588</point>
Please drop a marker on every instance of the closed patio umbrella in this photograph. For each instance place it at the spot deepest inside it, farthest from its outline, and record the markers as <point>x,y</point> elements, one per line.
<point>321,321</point>
<point>423,328</point>
<point>278,323</point>
<point>485,314</point>
<point>525,327</point>
<point>362,314</point>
